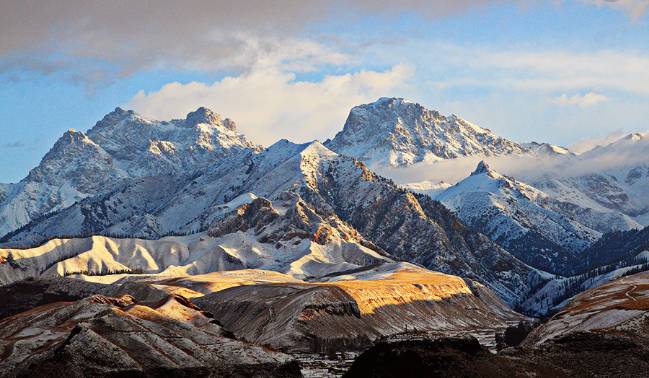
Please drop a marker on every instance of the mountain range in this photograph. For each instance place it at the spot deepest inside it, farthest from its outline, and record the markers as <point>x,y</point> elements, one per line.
<point>313,209</point>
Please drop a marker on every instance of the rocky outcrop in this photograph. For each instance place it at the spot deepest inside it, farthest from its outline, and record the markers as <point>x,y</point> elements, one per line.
<point>104,336</point>
<point>298,220</point>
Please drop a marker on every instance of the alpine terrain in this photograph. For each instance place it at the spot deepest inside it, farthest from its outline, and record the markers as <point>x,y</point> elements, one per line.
<point>152,248</point>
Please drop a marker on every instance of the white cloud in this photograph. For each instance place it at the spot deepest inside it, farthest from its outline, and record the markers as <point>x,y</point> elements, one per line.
<point>587,99</point>
<point>103,40</point>
<point>269,104</point>
<point>527,168</point>
<point>539,70</point>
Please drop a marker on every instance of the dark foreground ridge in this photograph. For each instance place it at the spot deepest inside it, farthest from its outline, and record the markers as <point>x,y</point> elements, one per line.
<point>582,354</point>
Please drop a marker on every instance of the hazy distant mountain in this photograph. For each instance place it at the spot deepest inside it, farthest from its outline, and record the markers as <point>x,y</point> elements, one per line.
<point>615,179</point>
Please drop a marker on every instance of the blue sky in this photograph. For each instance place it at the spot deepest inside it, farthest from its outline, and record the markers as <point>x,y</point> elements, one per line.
<point>556,71</point>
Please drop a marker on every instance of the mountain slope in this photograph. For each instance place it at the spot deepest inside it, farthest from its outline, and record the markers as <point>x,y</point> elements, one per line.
<point>518,217</point>
<point>614,180</point>
<point>409,227</point>
<point>396,132</point>
<point>623,248</point>
<point>121,145</point>
<point>619,307</point>
<point>351,311</point>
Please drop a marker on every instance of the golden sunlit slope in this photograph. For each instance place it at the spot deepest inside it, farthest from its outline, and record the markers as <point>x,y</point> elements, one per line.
<point>350,311</point>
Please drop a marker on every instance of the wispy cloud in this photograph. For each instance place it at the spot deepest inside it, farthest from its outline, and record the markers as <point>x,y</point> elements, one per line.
<point>587,99</point>
<point>543,70</point>
<point>526,168</point>
<point>16,144</point>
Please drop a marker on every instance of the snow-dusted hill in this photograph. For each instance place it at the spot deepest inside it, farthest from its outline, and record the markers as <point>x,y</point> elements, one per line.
<point>397,132</point>
<point>618,307</point>
<point>121,145</point>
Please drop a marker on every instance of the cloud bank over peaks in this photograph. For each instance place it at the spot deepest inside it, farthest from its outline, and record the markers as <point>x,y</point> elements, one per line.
<point>270,104</point>
<point>587,99</point>
<point>608,153</point>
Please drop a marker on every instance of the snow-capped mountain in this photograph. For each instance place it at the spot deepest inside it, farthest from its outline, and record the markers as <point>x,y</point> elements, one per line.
<point>397,132</point>
<point>615,178</point>
<point>409,227</point>
<point>511,213</point>
<point>121,145</point>
<point>143,147</point>
<point>546,149</point>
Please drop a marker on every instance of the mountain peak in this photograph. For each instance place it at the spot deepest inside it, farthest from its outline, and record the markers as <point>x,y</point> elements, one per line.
<point>317,148</point>
<point>114,117</point>
<point>71,136</point>
<point>634,137</point>
<point>397,132</point>
<point>203,115</point>
<point>392,100</point>
<point>482,167</point>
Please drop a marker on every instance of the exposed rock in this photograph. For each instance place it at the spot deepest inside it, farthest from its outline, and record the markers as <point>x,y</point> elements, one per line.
<point>353,309</point>
<point>103,336</point>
